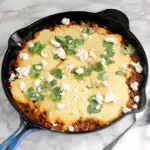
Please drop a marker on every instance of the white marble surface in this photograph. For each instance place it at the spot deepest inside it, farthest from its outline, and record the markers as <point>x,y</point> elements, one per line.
<point>15,14</point>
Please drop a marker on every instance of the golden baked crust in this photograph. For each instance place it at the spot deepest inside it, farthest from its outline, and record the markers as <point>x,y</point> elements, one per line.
<point>75,101</point>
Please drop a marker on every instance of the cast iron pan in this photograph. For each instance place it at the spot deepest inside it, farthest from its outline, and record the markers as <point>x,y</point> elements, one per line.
<point>115,20</point>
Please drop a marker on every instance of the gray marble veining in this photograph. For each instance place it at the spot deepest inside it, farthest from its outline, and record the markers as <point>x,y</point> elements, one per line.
<point>15,14</point>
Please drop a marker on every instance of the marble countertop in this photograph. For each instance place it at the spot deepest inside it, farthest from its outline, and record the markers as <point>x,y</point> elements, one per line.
<point>15,14</point>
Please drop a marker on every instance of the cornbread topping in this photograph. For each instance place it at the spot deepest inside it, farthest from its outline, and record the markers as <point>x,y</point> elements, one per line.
<point>76,77</point>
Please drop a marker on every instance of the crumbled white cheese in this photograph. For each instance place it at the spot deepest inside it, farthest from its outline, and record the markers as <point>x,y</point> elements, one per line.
<point>82,54</point>
<point>55,43</point>
<point>92,54</point>
<point>103,61</point>
<point>22,86</point>
<point>61,53</point>
<point>99,98</point>
<point>110,97</point>
<point>31,45</point>
<point>55,51</point>
<point>44,63</point>
<point>54,124</point>
<point>137,67</point>
<point>134,86</point>
<point>37,82</point>
<point>134,106</point>
<point>49,78</point>
<point>98,106</point>
<point>84,99</point>
<point>105,83</point>
<point>12,77</point>
<point>65,21</point>
<point>65,87</point>
<point>137,98</point>
<point>71,128</point>
<point>44,54</point>
<point>39,89</point>
<point>126,110</point>
<point>110,39</point>
<point>36,94</point>
<point>124,66</point>
<point>24,56</point>
<point>79,70</point>
<point>70,66</point>
<point>85,36</point>
<point>60,105</point>
<point>70,41</point>
<point>23,71</point>
<point>38,67</point>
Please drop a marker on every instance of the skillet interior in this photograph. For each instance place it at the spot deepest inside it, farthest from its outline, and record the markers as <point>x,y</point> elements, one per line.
<point>28,33</point>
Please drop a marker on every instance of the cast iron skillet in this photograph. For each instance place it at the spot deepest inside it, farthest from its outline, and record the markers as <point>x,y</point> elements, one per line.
<point>113,19</point>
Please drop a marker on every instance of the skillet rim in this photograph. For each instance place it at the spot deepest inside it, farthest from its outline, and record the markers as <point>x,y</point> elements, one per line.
<point>33,123</point>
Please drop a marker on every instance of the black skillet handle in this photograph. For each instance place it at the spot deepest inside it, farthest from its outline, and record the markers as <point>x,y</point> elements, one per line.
<point>13,140</point>
<point>117,16</point>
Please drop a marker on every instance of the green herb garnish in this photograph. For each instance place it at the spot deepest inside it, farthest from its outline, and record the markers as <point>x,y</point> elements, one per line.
<point>120,73</point>
<point>37,48</point>
<point>103,76</point>
<point>98,67</point>
<point>35,70</point>
<point>63,39</point>
<point>56,94</point>
<point>33,96</point>
<point>87,71</point>
<point>92,107</point>
<point>55,57</point>
<point>87,30</point>
<point>51,83</point>
<point>78,42</point>
<point>127,50</point>
<point>41,89</point>
<point>29,92</point>
<point>78,77</point>
<point>108,59</point>
<point>109,49</point>
<point>108,46</point>
<point>69,44</point>
<point>57,73</point>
